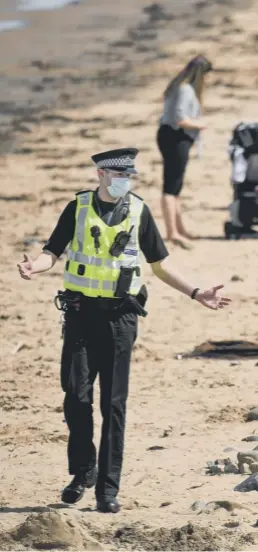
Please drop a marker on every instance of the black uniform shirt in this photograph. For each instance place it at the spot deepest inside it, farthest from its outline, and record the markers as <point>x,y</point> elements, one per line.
<point>150,240</point>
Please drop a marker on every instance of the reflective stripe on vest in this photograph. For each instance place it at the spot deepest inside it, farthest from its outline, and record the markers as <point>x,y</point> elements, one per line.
<point>87,282</point>
<point>95,284</point>
<point>100,271</point>
<point>95,261</point>
<point>84,200</point>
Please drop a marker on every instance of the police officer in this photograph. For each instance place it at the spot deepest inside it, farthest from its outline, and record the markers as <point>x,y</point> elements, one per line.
<point>105,231</point>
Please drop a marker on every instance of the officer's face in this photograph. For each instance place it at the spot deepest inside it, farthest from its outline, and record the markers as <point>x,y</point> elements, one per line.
<point>116,183</point>
<point>107,175</point>
<point>115,174</point>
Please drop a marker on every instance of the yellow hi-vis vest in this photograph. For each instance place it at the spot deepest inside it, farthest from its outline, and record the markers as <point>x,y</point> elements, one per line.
<point>95,274</point>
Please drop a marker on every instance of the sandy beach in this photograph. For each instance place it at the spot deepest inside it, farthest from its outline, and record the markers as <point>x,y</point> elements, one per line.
<point>79,80</point>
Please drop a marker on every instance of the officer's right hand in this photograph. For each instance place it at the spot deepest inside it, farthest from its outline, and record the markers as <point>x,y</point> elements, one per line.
<point>25,268</point>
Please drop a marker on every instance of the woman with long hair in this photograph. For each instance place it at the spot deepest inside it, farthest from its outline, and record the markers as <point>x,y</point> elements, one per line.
<point>180,126</point>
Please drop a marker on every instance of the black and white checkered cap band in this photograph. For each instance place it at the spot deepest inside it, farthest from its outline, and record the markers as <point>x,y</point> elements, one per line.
<point>116,162</point>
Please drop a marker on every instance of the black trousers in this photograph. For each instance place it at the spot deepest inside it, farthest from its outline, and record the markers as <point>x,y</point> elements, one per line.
<point>174,146</point>
<point>97,342</point>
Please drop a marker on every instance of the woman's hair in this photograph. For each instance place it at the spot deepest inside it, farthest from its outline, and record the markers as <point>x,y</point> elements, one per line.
<point>193,73</point>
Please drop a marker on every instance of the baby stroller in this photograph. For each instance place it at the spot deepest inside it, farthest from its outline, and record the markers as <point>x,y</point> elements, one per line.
<point>243,152</point>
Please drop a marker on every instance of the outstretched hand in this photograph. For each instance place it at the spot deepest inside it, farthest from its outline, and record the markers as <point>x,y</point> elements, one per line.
<point>211,299</point>
<point>25,268</point>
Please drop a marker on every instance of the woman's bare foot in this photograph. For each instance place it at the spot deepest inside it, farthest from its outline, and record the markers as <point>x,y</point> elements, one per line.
<point>189,236</point>
<point>180,241</point>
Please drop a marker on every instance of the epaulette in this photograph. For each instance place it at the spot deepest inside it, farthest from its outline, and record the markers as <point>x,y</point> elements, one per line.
<point>83,192</point>
<point>136,195</point>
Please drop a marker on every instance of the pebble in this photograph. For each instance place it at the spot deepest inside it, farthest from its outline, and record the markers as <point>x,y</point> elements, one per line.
<point>249,484</point>
<point>252,414</point>
<point>236,278</point>
<point>250,438</point>
<point>198,505</point>
<point>231,468</point>
<point>214,470</point>
<point>30,240</point>
<point>232,524</point>
<point>156,447</point>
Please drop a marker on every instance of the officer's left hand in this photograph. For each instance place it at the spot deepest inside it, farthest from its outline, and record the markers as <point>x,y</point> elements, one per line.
<point>210,298</point>
<point>25,268</point>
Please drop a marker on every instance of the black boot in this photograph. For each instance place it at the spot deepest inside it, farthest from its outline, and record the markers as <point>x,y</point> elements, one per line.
<point>108,505</point>
<point>81,481</point>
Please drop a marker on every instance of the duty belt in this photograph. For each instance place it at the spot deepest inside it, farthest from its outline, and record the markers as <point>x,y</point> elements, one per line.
<point>65,300</point>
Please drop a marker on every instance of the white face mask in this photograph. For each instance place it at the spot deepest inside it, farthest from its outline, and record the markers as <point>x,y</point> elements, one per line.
<point>119,186</point>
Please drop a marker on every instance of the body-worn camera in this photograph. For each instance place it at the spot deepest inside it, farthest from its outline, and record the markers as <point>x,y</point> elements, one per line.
<point>120,242</point>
